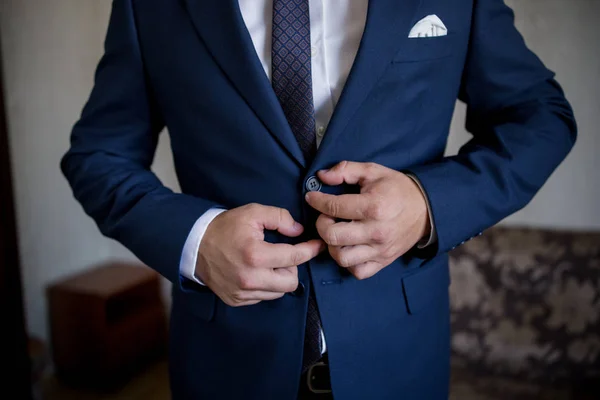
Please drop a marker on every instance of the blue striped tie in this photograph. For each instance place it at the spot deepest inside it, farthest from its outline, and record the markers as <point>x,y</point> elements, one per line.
<point>292,83</point>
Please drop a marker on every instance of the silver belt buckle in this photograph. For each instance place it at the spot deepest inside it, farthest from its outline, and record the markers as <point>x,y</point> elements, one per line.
<point>309,375</point>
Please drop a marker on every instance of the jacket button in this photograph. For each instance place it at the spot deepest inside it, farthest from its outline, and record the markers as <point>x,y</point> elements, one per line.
<point>313,184</point>
<point>299,292</point>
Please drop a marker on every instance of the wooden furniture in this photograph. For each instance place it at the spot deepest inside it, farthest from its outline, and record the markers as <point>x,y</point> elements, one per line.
<point>105,324</point>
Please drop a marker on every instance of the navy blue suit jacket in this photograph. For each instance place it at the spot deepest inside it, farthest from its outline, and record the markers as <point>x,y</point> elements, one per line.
<point>190,65</point>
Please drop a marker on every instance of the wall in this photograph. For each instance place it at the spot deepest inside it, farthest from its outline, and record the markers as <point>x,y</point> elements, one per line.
<point>564,33</point>
<point>51,49</point>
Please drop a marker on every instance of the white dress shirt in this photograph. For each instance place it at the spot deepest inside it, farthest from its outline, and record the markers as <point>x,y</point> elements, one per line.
<point>336,31</point>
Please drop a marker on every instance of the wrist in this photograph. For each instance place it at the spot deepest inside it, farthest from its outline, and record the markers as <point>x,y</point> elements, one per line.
<point>201,271</point>
<point>427,230</point>
<point>424,218</point>
<point>424,222</point>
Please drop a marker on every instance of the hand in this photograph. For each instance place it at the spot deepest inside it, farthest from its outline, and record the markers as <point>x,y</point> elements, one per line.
<point>383,222</point>
<point>236,263</point>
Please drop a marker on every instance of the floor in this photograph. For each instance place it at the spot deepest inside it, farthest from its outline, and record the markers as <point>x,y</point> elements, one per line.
<point>153,384</point>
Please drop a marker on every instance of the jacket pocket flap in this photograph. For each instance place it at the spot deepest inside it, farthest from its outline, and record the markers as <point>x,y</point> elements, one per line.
<point>423,287</point>
<point>196,299</point>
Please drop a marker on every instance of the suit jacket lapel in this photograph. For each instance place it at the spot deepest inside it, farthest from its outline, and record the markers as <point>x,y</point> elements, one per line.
<point>221,26</point>
<point>388,22</point>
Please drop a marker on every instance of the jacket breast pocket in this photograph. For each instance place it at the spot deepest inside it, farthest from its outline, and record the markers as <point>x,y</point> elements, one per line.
<point>426,49</point>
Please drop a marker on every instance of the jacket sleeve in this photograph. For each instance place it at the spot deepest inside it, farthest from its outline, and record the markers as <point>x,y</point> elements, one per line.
<point>112,149</point>
<point>522,128</point>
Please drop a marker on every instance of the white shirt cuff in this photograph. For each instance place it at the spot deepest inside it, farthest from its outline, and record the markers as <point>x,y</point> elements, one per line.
<point>432,239</point>
<point>189,256</point>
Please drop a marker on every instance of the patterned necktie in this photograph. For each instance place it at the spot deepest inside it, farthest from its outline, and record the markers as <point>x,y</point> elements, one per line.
<point>291,70</point>
<point>292,83</point>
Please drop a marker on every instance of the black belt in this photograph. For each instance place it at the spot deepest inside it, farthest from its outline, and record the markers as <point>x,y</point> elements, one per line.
<point>315,383</point>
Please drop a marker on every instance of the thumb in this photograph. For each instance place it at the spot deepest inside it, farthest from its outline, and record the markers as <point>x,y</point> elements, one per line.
<point>279,219</point>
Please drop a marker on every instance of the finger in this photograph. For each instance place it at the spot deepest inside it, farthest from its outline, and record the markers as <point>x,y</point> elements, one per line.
<point>345,206</point>
<point>239,298</point>
<point>237,303</point>
<point>258,296</point>
<point>279,282</point>
<point>267,280</point>
<point>342,233</point>
<point>281,255</point>
<point>352,256</point>
<point>289,271</point>
<point>352,173</point>
<point>279,219</point>
<point>365,271</point>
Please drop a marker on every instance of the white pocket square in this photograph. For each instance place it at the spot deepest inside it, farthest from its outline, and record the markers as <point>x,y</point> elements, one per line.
<point>430,26</point>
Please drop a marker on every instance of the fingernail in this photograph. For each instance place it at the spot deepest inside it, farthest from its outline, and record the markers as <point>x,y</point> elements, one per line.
<point>298,227</point>
<point>324,171</point>
<point>307,198</point>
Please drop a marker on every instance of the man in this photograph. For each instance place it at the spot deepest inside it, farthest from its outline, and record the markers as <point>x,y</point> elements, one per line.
<point>308,249</point>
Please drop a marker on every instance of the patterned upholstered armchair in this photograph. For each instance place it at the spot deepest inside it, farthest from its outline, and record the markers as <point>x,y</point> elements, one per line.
<point>526,315</point>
